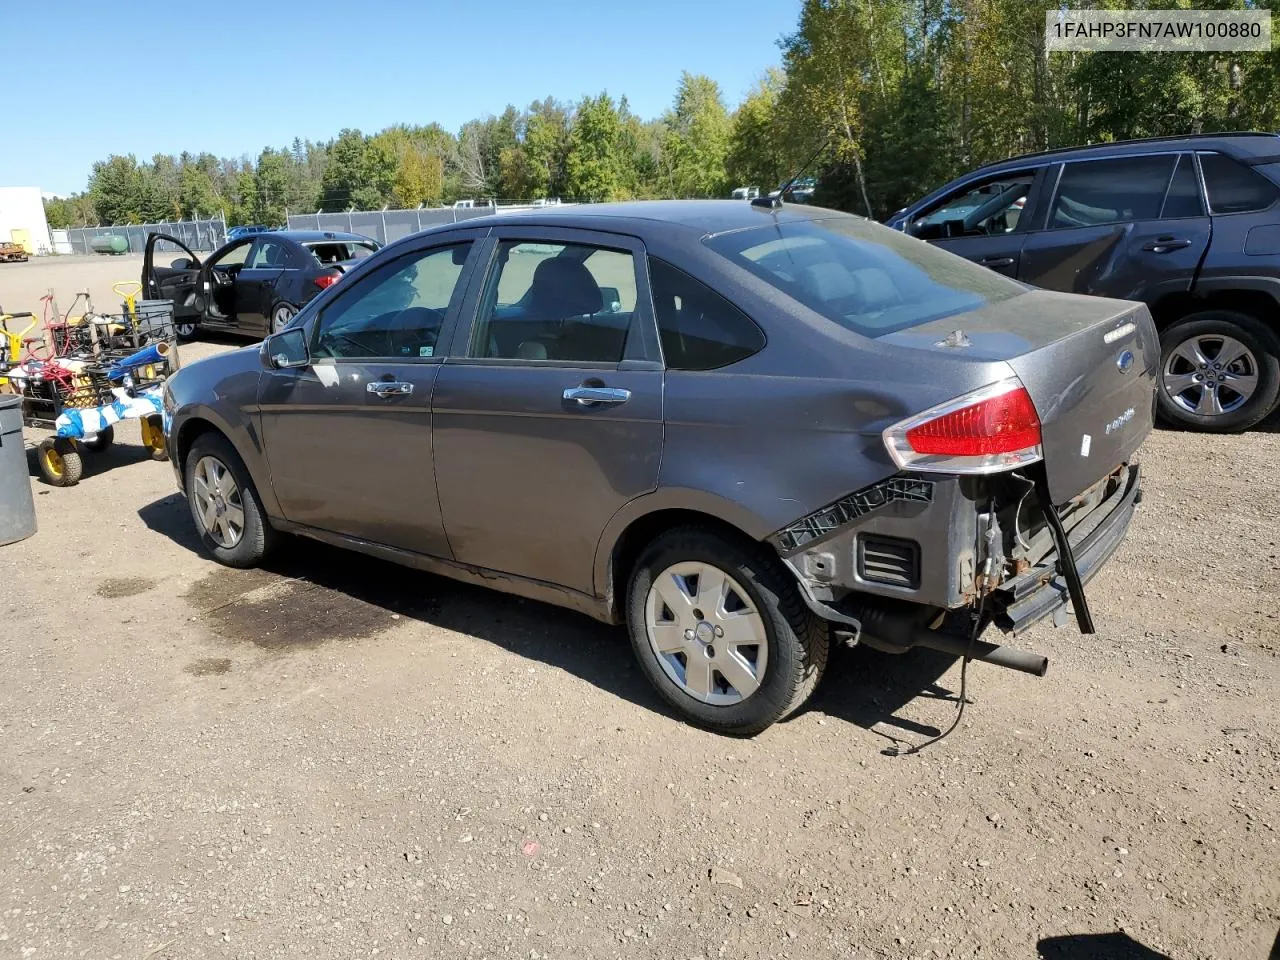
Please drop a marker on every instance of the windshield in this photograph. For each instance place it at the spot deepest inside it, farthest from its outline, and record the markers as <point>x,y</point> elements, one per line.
<point>861,275</point>
<point>339,251</point>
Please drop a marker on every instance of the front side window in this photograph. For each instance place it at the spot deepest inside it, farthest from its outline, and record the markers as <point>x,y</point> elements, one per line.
<point>235,257</point>
<point>991,208</point>
<point>1234,188</point>
<point>556,302</point>
<point>865,277</point>
<point>395,311</point>
<point>699,329</point>
<point>1122,190</point>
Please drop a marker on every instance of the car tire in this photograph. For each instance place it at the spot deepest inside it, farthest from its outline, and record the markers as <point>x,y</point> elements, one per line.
<point>238,535</point>
<point>186,332</point>
<point>1202,337</point>
<point>759,599</point>
<point>282,315</point>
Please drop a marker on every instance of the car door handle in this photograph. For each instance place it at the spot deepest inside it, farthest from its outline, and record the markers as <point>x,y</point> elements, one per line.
<point>389,388</point>
<point>586,396</point>
<point>996,261</point>
<point>1166,244</point>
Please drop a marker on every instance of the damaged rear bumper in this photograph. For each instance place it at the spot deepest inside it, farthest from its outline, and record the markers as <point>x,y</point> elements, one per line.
<point>1042,590</point>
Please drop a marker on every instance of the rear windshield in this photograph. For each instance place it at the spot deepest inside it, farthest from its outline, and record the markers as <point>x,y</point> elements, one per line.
<point>339,251</point>
<point>861,275</point>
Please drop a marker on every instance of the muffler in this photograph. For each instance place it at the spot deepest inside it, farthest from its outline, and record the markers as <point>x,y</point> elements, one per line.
<point>897,631</point>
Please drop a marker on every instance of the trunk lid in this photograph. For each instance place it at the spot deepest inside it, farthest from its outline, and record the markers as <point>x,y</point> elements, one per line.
<point>1089,364</point>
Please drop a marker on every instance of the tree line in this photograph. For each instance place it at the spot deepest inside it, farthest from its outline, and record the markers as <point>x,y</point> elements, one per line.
<point>895,96</point>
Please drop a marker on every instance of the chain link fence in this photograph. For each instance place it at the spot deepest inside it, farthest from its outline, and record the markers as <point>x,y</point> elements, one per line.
<point>198,235</point>
<point>387,226</point>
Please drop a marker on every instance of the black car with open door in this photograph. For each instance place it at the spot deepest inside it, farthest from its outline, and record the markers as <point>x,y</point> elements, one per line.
<point>253,285</point>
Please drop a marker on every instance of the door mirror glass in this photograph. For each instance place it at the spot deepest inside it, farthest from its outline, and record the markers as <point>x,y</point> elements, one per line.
<point>286,349</point>
<point>182,263</point>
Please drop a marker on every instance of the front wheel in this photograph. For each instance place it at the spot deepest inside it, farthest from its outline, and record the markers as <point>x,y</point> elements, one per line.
<point>224,503</point>
<point>721,631</point>
<point>1219,372</point>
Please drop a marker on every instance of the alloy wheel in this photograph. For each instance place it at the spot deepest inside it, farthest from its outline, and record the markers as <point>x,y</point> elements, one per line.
<point>218,502</point>
<point>1210,375</point>
<point>281,317</point>
<point>706,634</point>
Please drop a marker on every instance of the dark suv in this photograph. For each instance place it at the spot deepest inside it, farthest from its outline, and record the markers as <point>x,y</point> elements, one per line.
<point>1188,225</point>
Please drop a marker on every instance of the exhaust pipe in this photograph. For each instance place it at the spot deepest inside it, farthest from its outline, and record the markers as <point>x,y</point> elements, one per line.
<point>894,631</point>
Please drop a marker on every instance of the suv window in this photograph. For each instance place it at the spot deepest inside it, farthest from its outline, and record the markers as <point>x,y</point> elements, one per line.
<point>396,311</point>
<point>1234,188</point>
<point>993,207</point>
<point>1183,198</point>
<point>1120,190</point>
<point>556,302</point>
<point>700,330</point>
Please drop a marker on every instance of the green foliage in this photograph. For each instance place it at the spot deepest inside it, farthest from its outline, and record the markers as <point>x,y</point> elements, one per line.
<point>596,162</point>
<point>697,140</point>
<point>757,154</point>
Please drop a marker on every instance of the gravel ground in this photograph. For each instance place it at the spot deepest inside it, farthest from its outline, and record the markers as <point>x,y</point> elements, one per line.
<point>338,758</point>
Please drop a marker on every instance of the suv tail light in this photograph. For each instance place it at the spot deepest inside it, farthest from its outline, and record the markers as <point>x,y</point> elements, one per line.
<point>992,429</point>
<point>326,280</point>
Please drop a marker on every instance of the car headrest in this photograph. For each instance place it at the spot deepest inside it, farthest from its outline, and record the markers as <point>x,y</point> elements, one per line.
<point>564,288</point>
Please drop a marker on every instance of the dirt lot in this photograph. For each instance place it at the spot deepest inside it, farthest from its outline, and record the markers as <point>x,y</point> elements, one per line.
<point>338,758</point>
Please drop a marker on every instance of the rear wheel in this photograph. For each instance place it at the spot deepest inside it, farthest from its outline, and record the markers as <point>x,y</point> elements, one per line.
<point>186,331</point>
<point>59,461</point>
<point>282,316</point>
<point>224,503</point>
<point>721,631</point>
<point>1219,372</point>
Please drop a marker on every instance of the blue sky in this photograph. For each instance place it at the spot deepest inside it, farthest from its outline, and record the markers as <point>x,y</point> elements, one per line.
<point>144,77</point>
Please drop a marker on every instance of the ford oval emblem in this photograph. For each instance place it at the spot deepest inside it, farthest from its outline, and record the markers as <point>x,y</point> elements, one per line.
<point>1125,361</point>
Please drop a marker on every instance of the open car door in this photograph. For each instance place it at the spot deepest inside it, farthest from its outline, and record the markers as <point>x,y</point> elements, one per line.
<point>170,272</point>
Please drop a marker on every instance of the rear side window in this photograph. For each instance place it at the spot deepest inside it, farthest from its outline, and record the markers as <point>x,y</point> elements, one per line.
<point>1183,198</point>
<point>865,277</point>
<point>700,329</point>
<point>1234,188</point>
<point>339,251</point>
<point>1094,192</point>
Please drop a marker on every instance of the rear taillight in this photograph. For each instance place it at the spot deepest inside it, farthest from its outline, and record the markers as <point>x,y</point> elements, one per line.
<point>995,428</point>
<point>326,280</point>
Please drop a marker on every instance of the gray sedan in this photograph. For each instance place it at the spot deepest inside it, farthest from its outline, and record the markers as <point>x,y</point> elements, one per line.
<point>741,429</point>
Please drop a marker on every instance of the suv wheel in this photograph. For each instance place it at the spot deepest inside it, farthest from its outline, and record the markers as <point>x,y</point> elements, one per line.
<point>224,503</point>
<point>1219,372</point>
<point>722,633</point>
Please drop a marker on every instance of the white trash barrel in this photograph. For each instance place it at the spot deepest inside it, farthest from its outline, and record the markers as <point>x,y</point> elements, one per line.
<point>17,506</point>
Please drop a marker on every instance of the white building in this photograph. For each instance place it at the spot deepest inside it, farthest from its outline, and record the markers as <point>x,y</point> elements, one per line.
<point>22,219</point>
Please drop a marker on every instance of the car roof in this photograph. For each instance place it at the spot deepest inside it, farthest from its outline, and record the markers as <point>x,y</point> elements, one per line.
<point>648,216</point>
<point>314,236</point>
<point>1250,146</point>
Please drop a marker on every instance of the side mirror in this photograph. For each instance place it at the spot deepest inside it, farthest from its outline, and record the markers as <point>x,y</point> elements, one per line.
<point>182,263</point>
<point>286,350</point>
